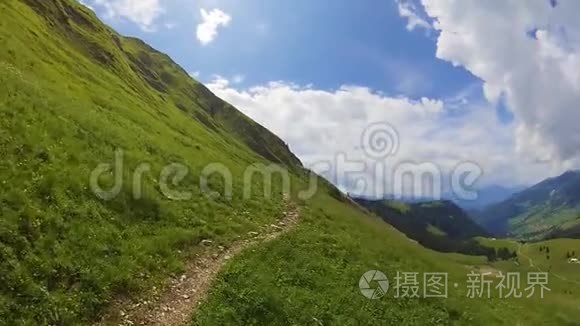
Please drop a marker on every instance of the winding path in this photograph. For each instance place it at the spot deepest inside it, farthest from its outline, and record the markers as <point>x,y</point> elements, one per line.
<point>532,265</point>
<point>179,301</point>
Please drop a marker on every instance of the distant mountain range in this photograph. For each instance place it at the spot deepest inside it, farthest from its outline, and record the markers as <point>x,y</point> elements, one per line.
<point>486,196</point>
<point>550,208</point>
<point>439,225</point>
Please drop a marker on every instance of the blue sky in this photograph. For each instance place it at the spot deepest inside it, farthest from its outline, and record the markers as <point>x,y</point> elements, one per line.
<point>459,80</point>
<point>326,43</point>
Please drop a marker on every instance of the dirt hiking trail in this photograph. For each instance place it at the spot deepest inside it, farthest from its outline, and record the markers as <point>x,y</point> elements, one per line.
<point>176,304</point>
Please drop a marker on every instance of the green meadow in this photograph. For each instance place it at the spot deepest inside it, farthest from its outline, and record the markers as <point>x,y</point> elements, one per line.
<point>73,93</point>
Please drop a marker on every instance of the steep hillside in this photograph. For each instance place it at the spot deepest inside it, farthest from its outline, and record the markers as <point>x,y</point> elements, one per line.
<point>162,74</point>
<point>534,212</point>
<point>154,75</point>
<point>437,217</point>
<point>569,230</point>
<point>76,95</point>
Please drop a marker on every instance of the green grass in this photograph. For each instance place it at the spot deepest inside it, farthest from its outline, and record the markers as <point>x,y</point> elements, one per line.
<point>564,280</point>
<point>311,277</point>
<point>73,92</point>
<point>64,253</point>
<point>554,259</point>
<point>435,231</point>
<point>512,245</point>
<point>567,230</point>
<point>398,206</point>
<point>536,222</point>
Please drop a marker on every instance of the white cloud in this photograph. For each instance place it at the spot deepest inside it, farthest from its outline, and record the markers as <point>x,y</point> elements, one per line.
<point>207,30</point>
<point>238,79</point>
<point>528,52</point>
<point>141,12</point>
<point>318,124</point>
<point>219,82</point>
<point>195,74</point>
<point>408,10</point>
<point>84,3</point>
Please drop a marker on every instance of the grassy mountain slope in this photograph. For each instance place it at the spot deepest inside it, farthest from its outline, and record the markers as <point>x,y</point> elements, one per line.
<point>71,96</point>
<point>162,74</point>
<point>310,277</point>
<point>74,92</point>
<point>567,230</point>
<point>536,211</point>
